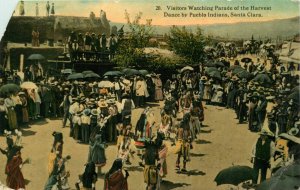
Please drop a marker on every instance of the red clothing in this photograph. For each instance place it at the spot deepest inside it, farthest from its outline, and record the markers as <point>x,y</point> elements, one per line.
<point>15,179</point>
<point>116,181</point>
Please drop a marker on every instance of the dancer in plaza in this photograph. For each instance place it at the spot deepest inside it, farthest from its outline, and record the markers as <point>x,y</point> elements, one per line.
<point>116,177</point>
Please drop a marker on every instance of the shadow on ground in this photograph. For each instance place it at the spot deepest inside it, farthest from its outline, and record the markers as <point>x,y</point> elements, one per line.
<point>26,132</point>
<point>152,104</point>
<point>39,122</point>
<point>192,173</point>
<point>206,131</point>
<point>196,155</point>
<point>26,181</point>
<point>134,169</point>
<point>166,185</point>
<point>198,141</point>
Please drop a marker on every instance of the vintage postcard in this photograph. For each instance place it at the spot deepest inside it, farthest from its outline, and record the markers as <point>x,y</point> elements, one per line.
<point>156,95</point>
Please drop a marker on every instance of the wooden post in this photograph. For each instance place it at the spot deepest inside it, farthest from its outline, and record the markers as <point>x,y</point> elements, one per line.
<point>21,62</point>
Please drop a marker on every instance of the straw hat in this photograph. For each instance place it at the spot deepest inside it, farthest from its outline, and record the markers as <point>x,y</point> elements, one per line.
<point>102,103</point>
<point>234,78</point>
<point>21,93</point>
<point>110,101</point>
<point>94,112</point>
<point>290,137</point>
<point>204,78</point>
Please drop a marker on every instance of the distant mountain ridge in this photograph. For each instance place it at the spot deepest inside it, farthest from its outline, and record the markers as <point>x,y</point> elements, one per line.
<point>243,30</point>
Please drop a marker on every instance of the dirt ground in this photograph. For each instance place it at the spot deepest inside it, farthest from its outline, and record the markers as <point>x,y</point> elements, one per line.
<point>221,144</point>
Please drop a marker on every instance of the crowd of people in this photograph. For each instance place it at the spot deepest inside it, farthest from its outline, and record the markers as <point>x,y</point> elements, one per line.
<point>91,47</point>
<point>99,112</point>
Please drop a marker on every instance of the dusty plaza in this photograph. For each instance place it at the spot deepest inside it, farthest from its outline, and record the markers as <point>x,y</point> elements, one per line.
<point>140,95</point>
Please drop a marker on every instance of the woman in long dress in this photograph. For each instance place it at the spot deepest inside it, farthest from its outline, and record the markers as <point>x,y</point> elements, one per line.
<point>97,153</point>
<point>25,116</point>
<point>115,179</point>
<point>158,89</point>
<point>11,114</point>
<point>15,179</point>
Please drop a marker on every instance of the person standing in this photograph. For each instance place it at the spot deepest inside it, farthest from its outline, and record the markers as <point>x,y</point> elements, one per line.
<point>115,178</point>
<point>11,113</point>
<point>56,165</point>
<point>158,88</point>
<point>97,153</point>
<point>15,179</point>
<point>22,9</point>
<point>85,126</point>
<point>261,110</point>
<point>262,152</point>
<point>140,92</point>
<point>126,107</point>
<point>47,8</point>
<point>37,9</point>
<point>52,10</point>
<point>66,105</point>
<point>183,143</point>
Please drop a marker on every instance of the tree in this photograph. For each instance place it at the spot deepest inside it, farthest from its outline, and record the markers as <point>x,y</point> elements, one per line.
<point>130,50</point>
<point>188,44</point>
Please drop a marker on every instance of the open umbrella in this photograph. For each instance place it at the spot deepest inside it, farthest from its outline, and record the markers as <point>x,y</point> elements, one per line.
<point>105,84</point>
<point>187,68</point>
<point>67,71</point>
<point>295,96</point>
<point>246,60</point>
<point>207,48</point>
<point>28,85</point>
<point>131,72</point>
<point>112,73</point>
<point>144,72</point>
<point>233,67</point>
<point>36,57</point>
<point>228,44</point>
<point>9,89</point>
<point>296,89</point>
<point>219,64</point>
<point>75,76</point>
<point>210,69</point>
<point>91,75</point>
<point>87,72</point>
<point>234,175</point>
<point>209,64</point>
<point>282,182</point>
<point>244,74</point>
<point>262,78</point>
<point>215,74</point>
<point>237,70</point>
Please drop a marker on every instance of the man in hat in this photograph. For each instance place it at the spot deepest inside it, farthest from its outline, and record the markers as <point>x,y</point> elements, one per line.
<point>203,79</point>
<point>103,42</point>
<point>261,109</point>
<point>117,88</point>
<point>289,165</point>
<point>242,107</point>
<point>262,152</point>
<point>47,9</point>
<point>67,101</point>
<point>140,92</point>
<point>252,114</point>
<point>112,45</point>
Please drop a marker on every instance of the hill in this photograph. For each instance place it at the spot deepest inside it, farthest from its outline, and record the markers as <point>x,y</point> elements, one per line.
<point>244,30</point>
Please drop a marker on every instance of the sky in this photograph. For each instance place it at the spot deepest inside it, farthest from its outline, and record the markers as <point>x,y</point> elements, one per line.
<point>115,10</point>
